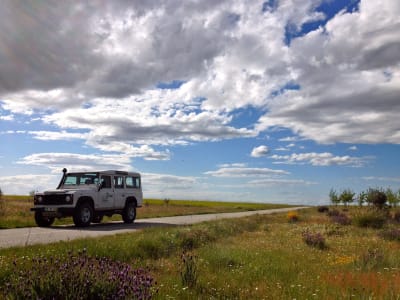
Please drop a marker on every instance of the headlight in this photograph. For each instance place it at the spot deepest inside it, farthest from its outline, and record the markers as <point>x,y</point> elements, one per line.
<point>39,199</point>
<point>68,198</point>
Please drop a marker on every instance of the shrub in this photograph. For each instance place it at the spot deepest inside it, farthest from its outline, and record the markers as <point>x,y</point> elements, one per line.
<point>391,234</point>
<point>323,209</point>
<point>372,218</point>
<point>341,219</point>
<point>78,277</point>
<point>292,216</point>
<point>333,213</point>
<point>314,239</point>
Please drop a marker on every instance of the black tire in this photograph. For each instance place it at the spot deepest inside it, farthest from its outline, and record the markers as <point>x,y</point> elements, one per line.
<point>129,213</point>
<point>43,221</point>
<point>83,215</point>
<point>97,219</point>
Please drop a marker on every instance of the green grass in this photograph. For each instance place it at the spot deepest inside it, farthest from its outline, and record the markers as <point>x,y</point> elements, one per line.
<point>258,257</point>
<point>15,211</point>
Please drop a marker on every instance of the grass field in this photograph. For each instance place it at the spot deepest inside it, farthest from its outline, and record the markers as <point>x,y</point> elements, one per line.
<point>259,257</point>
<point>15,211</point>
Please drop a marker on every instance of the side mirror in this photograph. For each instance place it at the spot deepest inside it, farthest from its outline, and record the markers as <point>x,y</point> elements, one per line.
<point>101,185</point>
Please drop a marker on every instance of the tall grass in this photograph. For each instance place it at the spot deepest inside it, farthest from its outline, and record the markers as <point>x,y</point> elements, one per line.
<point>251,258</point>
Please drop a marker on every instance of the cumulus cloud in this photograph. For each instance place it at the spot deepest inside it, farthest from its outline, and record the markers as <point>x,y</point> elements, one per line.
<point>24,184</point>
<point>77,162</point>
<point>259,151</point>
<point>344,95</point>
<point>97,67</point>
<point>319,159</point>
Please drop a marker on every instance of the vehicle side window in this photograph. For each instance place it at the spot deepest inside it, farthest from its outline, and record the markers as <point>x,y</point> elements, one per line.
<point>119,182</point>
<point>129,182</point>
<point>132,182</point>
<point>105,181</point>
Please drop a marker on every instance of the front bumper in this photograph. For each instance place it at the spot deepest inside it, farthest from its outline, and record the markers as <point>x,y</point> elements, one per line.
<point>58,212</point>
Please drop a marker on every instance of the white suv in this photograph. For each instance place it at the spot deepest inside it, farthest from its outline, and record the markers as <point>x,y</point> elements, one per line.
<point>88,196</point>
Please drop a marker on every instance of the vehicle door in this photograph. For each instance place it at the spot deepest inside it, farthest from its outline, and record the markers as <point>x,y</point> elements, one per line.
<point>119,191</point>
<point>106,195</point>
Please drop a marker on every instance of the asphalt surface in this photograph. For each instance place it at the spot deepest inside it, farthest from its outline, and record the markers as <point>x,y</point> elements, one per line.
<point>39,235</point>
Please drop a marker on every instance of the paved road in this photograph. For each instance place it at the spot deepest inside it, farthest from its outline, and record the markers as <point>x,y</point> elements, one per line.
<point>38,235</point>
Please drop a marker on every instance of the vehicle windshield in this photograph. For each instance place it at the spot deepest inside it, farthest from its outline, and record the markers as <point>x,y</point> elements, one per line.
<point>81,179</point>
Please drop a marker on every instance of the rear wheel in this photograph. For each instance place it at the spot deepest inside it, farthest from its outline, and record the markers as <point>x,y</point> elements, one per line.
<point>43,221</point>
<point>129,213</point>
<point>83,215</point>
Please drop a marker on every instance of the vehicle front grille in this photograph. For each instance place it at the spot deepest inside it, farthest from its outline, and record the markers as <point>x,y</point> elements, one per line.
<point>54,199</point>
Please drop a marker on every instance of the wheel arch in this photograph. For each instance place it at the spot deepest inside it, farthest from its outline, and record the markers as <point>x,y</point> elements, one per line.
<point>86,199</point>
<point>131,199</point>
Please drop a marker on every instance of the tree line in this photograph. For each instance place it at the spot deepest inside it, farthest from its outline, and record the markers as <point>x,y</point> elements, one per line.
<point>377,197</point>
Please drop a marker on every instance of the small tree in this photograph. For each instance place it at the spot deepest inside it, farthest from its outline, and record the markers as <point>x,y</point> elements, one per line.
<point>377,198</point>
<point>362,198</point>
<point>333,196</point>
<point>346,197</point>
<point>392,197</point>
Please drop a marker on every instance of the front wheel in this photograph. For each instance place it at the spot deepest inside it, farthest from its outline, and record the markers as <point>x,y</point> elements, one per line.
<point>43,221</point>
<point>129,213</point>
<point>83,215</point>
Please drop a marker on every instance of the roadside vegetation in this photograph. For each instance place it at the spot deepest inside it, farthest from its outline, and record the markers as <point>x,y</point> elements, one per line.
<point>15,210</point>
<point>315,253</point>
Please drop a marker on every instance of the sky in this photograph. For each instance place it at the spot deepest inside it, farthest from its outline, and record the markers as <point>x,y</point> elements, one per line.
<point>274,101</point>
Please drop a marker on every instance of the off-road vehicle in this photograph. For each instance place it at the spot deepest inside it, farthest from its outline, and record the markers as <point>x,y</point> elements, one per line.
<point>88,196</point>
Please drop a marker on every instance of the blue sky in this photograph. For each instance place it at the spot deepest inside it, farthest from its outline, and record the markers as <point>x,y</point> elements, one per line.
<point>260,101</point>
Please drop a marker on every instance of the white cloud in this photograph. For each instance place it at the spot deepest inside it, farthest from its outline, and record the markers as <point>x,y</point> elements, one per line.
<point>353,148</point>
<point>96,68</point>
<point>381,178</point>
<point>56,135</point>
<point>319,159</point>
<point>277,181</point>
<point>78,162</point>
<point>24,184</point>
<point>348,87</point>
<point>259,151</point>
<point>245,172</point>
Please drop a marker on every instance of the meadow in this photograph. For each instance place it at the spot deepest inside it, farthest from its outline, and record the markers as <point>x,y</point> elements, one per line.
<point>15,210</point>
<point>329,253</point>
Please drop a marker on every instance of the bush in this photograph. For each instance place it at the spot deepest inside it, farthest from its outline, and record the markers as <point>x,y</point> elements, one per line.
<point>391,234</point>
<point>78,277</point>
<point>372,218</point>
<point>333,213</point>
<point>341,219</point>
<point>314,239</point>
<point>292,216</point>
<point>323,209</point>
